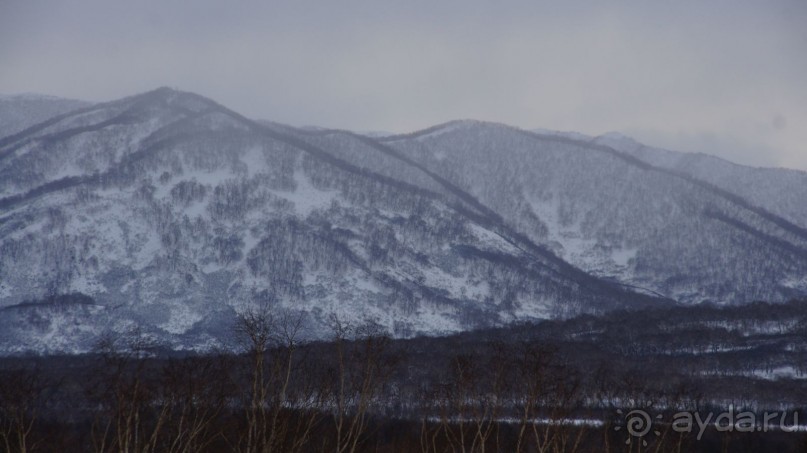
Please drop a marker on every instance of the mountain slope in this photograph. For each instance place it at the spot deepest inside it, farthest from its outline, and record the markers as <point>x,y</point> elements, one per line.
<point>779,190</point>
<point>170,213</point>
<point>618,216</point>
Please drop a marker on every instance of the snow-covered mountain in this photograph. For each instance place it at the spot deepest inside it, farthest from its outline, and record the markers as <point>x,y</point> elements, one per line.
<point>169,212</point>
<point>172,213</point>
<point>688,235</point>
<point>781,191</point>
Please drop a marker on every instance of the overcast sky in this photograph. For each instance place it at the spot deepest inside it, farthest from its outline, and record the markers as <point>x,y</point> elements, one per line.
<point>723,77</point>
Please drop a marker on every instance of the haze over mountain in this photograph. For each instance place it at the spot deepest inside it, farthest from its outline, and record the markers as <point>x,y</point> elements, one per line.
<point>172,213</point>
<point>18,112</point>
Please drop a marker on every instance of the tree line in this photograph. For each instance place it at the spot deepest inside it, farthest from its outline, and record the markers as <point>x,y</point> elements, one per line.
<point>511,389</point>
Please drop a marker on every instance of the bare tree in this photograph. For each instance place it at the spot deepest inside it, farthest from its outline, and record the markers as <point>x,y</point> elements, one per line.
<point>280,414</point>
<point>195,391</point>
<point>129,418</point>
<point>21,391</point>
<point>362,367</point>
<point>545,397</point>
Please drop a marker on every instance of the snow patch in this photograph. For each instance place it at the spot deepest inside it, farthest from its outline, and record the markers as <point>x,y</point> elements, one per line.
<point>585,253</point>
<point>306,197</point>
<point>622,257</point>
<point>67,170</point>
<point>196,209</point>
<point>795,283</point>
<point>149,250</point>
<point>181,319</point>
<point>254,159</point>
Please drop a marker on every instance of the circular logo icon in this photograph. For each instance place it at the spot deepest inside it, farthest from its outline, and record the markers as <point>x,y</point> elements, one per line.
<point>638,424</point>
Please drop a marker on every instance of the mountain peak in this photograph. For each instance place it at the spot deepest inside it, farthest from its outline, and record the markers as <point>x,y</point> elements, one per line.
<point>175,213</point>
<point>444,128</point>
<point>171,97</point>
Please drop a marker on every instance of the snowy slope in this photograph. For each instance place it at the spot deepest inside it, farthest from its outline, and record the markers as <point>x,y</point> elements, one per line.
<point>617,216</point>
<point>171,213</point>
<point>778,190</point>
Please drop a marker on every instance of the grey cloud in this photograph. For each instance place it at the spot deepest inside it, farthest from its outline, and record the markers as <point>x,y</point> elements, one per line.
<point>688,74</point>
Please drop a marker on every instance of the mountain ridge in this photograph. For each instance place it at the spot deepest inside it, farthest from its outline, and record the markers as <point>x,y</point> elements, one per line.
<point>174,213</point>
